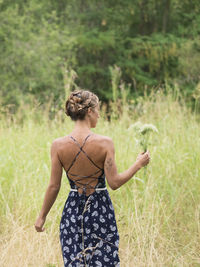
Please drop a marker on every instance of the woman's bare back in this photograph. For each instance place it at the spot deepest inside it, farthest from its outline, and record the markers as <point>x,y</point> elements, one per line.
<point>82,157</point>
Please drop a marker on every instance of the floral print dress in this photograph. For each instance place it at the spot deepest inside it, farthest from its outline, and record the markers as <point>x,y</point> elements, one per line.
<point>88,230</point>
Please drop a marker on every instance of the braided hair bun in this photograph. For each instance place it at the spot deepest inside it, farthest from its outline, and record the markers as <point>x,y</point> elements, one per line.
<point>78,103</point>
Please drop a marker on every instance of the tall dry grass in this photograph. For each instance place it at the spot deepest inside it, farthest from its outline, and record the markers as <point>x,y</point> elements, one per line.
<point>158,220</point>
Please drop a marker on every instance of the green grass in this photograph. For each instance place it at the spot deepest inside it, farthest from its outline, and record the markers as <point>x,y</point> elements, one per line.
<point>158,220</point>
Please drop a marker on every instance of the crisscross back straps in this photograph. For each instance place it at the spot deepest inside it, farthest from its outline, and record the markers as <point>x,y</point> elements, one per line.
<point>81,150</point>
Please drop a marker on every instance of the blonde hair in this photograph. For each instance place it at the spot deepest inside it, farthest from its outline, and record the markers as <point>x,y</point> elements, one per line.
<point>78,103</point>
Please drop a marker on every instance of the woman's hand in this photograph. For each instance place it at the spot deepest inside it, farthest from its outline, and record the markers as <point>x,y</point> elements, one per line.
<point>143,158</point>
<point>39,224</point>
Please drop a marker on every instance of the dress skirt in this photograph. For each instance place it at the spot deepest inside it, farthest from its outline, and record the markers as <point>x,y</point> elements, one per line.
<point>88,231</point>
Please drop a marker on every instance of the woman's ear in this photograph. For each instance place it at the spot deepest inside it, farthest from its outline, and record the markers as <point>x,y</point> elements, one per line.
<point>89,111</point>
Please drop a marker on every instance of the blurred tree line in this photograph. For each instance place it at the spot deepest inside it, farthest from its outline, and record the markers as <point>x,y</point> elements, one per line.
<point>153,42</point>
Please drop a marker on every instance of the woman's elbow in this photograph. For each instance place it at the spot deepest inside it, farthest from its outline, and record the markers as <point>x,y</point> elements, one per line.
<point>54,187</point>
<point>114,185</point>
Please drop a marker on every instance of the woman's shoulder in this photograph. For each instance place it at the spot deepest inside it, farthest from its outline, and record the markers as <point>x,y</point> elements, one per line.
<point>97,139</point>
<point>103,139</point>
<point>59,142</point>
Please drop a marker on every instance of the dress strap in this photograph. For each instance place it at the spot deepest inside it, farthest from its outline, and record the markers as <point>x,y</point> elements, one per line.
<point>78,142</point>
<point>81,150</point>
<point>80,147</point>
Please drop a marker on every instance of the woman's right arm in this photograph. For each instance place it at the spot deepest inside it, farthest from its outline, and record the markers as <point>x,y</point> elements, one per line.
<point>115,179</point>
<point>52,189</point>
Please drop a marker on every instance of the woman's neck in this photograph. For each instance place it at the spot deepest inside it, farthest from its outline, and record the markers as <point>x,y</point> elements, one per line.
<point>82,126</point>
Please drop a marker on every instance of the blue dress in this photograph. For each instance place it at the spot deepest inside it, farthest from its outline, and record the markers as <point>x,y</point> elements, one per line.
<point>88,230</point>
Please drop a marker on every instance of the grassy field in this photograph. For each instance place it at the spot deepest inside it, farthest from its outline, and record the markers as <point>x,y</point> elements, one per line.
<point>158,219</point>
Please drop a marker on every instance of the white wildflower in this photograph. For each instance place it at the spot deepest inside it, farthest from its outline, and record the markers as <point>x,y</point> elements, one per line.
<point>146,128</point>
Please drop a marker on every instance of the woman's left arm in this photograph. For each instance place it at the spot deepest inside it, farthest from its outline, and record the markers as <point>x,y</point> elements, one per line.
<point>52,189</point>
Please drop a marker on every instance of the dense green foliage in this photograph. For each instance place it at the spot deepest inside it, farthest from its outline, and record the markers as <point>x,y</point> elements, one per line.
<point>153,42</point>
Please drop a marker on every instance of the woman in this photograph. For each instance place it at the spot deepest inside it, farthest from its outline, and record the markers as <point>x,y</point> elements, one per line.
<point>88,230</point>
